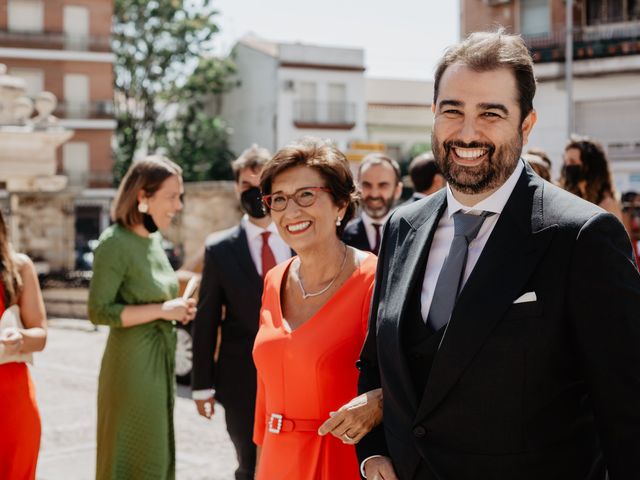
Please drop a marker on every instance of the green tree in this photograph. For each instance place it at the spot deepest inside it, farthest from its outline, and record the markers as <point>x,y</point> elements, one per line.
<point>196,137</point>
<point>157,43</point>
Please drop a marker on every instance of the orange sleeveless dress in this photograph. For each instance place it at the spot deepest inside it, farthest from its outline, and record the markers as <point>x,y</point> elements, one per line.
<point>19,420</point>
<point>305,374</point>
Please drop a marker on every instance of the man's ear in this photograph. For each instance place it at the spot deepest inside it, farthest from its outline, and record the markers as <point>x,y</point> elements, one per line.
<point>527,125</point>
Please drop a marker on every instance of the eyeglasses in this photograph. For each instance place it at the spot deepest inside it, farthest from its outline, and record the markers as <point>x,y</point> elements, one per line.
<point>304,197</point>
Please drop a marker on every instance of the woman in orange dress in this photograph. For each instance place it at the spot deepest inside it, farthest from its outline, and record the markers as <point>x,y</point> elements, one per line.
<point>19,417</point>
<point>313,320</point>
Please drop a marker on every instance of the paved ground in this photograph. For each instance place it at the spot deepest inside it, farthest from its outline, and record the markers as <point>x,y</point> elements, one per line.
<point>66,376</point>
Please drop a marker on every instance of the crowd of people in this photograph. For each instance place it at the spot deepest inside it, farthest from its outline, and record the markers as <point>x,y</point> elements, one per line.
<point>484,328</point>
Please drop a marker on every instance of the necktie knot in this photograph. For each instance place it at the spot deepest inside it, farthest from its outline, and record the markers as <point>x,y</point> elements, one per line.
<point>468,225</point>
<point>265,237</point>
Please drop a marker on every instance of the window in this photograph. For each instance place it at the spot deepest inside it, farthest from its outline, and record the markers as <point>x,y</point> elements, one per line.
<point>612,11</point>
<point>308,102</point>
<point>76,95</point>
<point>33,77</point>
<point>75,162</point>
<point>534,17</point>
<point>337,108</point>
<point>76,27</point>
<point>25,15</point>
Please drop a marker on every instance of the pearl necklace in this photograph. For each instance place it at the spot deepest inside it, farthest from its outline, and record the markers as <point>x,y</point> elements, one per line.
<point>306,295</point>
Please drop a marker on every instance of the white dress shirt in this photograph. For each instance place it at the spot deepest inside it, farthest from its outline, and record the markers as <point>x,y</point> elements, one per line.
<point>281,251</point>
<point>370,229</point>
<point>443,236</point>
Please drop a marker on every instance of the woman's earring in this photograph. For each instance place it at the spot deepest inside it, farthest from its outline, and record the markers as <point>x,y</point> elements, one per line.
<point>143,207</point>
<point>338,222</point>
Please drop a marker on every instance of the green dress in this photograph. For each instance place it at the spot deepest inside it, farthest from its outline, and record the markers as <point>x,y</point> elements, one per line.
<point>136,383</point>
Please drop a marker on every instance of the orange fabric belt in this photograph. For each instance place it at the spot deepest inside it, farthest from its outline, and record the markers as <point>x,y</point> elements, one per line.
<point>276,424</point>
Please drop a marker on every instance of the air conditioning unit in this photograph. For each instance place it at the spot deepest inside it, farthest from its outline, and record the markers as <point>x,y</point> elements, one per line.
<point>493,3</point>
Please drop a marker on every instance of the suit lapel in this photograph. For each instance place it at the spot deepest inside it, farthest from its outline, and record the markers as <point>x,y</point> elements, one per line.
<point>414,242</point>
<point>515,247</point>
<point>361,235</point>
<point>242,255</point>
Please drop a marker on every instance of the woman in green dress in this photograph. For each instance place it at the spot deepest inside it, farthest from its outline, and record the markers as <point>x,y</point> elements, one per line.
<point>133,291</point>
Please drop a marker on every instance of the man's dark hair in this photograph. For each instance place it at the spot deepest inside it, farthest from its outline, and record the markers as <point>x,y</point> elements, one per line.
<point>487,51</point>
<point>252,158</point>
<point>379,159</point>
<point>422,171</point>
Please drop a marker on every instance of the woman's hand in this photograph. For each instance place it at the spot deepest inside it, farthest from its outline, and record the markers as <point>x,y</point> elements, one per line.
<point>179,309</point>
<point>356,418</point>
<point>12,340</point>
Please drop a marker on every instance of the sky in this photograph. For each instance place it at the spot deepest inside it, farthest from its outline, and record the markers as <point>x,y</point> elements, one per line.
<point>401,38</point>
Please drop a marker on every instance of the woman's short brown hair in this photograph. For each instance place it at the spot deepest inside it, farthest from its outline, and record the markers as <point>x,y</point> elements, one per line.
<point>148,175</point>
<point>327,160</point>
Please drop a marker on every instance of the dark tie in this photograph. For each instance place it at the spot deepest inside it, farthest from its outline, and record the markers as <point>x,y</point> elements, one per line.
<point>268,260</point>
<point>447,288</point>
<point>377,227</point>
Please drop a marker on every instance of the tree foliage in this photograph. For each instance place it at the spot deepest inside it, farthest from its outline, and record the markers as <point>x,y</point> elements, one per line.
<point>158,102</point>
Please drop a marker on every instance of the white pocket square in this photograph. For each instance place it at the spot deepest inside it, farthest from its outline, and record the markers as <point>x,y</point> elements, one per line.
<point>527,297</point>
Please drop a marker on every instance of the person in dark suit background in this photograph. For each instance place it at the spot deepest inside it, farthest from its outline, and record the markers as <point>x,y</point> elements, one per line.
<point>380,187</point>
<point>425,177</point>
<point>506,332</point>
<point>235,263</point>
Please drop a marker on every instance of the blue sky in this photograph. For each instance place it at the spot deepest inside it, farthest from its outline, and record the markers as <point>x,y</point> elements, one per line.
<point>401,38</point>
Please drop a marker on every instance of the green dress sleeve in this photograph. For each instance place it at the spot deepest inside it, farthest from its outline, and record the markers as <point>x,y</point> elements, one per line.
<point>109,270</point>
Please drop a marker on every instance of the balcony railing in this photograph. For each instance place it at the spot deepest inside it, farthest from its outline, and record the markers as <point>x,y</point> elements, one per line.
<point>333,115</point>
<point>85,110</point>
<point>86,179</point>
<point>588,42</point>
<point>54,41</point>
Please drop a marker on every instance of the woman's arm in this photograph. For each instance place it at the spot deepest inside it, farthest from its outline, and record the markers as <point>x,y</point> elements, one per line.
<point>32,312</point>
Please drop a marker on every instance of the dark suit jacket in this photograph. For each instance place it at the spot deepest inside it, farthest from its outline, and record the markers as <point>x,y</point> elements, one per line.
<point>355,235</point>
<point>231,289</point>
<point>542,390</point>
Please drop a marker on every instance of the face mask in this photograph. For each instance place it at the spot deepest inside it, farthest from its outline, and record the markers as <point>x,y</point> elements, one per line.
<point>149,224</point>
<point>572,174</point>
<point>251,201</point>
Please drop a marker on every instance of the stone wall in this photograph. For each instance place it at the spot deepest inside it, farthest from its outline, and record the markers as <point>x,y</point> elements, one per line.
<point>208,207</point>
<point>46,230</point>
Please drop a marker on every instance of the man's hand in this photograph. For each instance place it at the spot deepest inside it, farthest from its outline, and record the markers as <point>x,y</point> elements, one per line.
<point>206,407</point>
<point>356,418</point>
<point>379,468</point>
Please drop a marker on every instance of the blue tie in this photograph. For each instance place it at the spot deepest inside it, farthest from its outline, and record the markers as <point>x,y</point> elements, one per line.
<point>447,288</point>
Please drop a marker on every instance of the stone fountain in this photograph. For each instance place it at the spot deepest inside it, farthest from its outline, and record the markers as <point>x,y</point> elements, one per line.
<point>28,166</point>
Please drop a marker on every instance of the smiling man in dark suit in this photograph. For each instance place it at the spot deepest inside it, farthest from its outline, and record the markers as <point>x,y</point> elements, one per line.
<point>506,336</point>
<point>235,263</point>
<point>380,188</point>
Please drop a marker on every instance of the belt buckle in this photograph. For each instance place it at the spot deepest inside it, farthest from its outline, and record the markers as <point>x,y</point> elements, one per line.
<point>277,418</point>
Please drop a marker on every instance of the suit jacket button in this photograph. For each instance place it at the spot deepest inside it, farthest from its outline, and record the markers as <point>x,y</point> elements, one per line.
<point>419,431</point>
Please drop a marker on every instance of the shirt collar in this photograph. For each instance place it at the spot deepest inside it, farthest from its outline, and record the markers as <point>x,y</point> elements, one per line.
<point>493,203</point>
<point>253,230</point>
<point>368,221</point>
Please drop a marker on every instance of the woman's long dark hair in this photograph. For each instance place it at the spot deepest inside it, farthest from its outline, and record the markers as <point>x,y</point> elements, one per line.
<point>11,279</point>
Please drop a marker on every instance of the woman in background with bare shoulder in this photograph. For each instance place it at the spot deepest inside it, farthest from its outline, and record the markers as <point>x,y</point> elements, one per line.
<point>23,330</point>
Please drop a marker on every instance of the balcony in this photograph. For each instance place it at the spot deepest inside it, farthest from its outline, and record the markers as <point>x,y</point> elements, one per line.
<point>595,41</point>
<point>85,110</point>
<point>87,179</point>
<point>324,115</point>
<point>54,41</point>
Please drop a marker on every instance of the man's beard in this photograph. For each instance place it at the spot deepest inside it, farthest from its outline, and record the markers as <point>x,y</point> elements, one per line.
<point>377,212</point>
<point>489,175</point>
